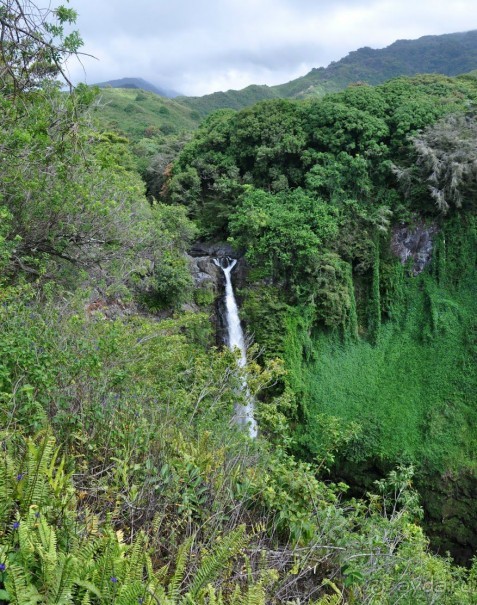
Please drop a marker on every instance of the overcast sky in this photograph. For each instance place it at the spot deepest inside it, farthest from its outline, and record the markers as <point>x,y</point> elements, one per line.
<point>201,46</point>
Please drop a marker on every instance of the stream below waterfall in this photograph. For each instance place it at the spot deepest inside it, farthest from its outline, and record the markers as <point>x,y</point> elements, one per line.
<point>243,414</point>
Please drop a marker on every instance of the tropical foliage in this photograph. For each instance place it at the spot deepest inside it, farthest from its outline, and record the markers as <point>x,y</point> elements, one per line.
<point>322,196</point>
<point>123,479</point>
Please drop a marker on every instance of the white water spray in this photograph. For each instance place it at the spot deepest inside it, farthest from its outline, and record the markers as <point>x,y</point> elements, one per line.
<point>243,413</point>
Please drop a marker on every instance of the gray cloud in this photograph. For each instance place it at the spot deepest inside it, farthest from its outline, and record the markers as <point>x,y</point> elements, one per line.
<point>200,46</point>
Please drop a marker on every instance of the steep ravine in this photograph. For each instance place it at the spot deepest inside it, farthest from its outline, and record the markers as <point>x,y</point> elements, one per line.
<point>412,392</point>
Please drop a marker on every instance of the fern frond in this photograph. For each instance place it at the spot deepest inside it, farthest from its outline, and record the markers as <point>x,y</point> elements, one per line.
<point>90,588</point>
<point>37,463</point>
<point>107,565</point>
<point>61,589</point>
<point>136,559</point>
<point>87,551</point>
<point>255,595</point>
<point>59,480</point>
<point>19,587</point>
<point>44,540</point>
<point>226,550</point>
<point>47,538</point>
<point>86,600</point>
<point>6,486</point>
<point>160,575</point>
<point>26,546</point>
<point>212,596</point>
<point>236,596</point>
<point>177,578</point>
<point>130,593</point>
<point>157,594</point>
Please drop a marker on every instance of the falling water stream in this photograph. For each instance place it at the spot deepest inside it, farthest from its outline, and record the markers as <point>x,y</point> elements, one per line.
<point>243,413</point>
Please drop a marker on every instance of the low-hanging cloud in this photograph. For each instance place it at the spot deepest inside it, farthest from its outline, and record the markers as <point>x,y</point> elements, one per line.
<point>200,46</point>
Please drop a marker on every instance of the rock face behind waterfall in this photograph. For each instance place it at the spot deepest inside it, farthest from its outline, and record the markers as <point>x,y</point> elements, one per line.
<point>205,272</point>
<point>208,277</point>
<point>213,265</point>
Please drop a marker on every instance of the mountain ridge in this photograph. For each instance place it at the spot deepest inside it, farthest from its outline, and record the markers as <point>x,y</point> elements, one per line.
<point>448,54</point>
<point>140,84</point>
<point>135,114</point>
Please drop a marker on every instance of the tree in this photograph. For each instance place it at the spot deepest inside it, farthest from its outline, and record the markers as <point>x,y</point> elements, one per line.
<point>447,160</point>
<point>283,233</point>
<point>34,45</point>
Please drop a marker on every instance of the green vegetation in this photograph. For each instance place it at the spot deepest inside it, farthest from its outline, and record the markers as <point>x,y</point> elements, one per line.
<point>231,99</point>
<point>417,391</point>
<point>157,126</point>
<point>142,114</point>
<point>448,54</point>
<point>319,193</point>
<point>123,480</point>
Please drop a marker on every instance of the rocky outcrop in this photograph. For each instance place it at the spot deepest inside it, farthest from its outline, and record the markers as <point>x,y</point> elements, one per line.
<point>413,244</point>
<point>214,249</point>
<point>205,272</point>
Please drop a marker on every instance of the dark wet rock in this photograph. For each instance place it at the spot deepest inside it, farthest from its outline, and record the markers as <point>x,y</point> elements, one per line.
<point>205,273</point>
<point>413,244</point>
<point>449,505</point>
<point>214,249</point>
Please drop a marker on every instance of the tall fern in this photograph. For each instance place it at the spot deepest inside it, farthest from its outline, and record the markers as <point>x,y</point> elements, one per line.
<point>19,586</point>
<point>135,563</point>
<point>180,565</point>
<point>212,564</point>
<point>62,581</point>
<point>6,485</point>
<point>38,458</point>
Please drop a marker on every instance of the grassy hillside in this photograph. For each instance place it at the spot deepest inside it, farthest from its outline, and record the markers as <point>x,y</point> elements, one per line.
<point>139,113</point>
<point>232,99</point>
<point>156,126</point>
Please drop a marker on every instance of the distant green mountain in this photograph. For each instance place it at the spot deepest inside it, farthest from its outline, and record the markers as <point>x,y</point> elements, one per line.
<point>232,99</point>
<point>138,114</point>
<point>448,54</point>
<point>138,83</point>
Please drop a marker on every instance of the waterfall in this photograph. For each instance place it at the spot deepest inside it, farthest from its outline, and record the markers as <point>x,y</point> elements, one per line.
<point>243,413</point>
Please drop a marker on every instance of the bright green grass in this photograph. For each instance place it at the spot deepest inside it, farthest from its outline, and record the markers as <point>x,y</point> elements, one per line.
<point>133,111</point>
<point>414,393</point>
